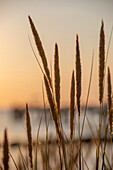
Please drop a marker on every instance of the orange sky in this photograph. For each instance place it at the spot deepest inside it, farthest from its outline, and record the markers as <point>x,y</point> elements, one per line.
<point>56,21</point>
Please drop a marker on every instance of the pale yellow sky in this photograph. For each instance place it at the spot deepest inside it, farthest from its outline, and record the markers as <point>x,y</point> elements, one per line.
<point>56,21</point>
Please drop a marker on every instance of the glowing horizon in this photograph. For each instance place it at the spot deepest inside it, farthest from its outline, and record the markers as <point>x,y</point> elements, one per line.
<point>20,76</point>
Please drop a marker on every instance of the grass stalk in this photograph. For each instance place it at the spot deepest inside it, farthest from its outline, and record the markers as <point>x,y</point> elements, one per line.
<point>101,85</point>
<point>29,136</point>
<point>78,92</point>
<point>14,161</point>
<point>57,78</point>
<point>110,111</point>
<point>72,112</point>
<point>36,143</point>
<point>40,50</point>
<point>105,141</point>
<point>55,117</point>
<point>5,151</point>
<point>87,94</point>
<point>25,166</point>
<point>46,148</point>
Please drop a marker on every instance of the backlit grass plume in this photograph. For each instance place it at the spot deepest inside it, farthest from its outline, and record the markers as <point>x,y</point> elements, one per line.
<point>72,112</point>
<point>72,105</point>
<point>110,110</point>
<point>78,76</point>
<point>40,50</point>
<point>5,151</point>
<point>101,62</point>
<point>29,136</point>
<point>55,116</point>
<point>57,77</point>
<point>78,92</point>
<point>53,108</point>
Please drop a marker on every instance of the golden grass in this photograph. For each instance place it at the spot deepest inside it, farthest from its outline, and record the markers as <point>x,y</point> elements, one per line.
<point>110,109</point>
<point>101,86</point>
<point>78,92</point>
<point>101,62</point>
<point>72,105</point>
<point>72,112</point>
<point>29,136</point>
<point>40,50</point>
<point>5,151</point>
<point>53,108</point>
<point>55,117</point>
<point>57,77</point>
<point>78,76</point>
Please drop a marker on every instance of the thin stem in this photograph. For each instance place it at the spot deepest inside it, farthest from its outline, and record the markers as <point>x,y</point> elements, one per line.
<point>79,142</point>
<point>87,94</point>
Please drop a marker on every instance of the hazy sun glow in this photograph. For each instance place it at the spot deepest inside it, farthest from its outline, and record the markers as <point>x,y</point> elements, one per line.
<point>56,21</point>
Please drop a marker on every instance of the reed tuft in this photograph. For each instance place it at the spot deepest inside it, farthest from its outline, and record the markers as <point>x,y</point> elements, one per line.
<point>78,76</point>
<point>78,92</point>
<point>57,77</point>
<point>29,136</point>
<point>72,111</point>
<point>110,110</point>
<point>5,151</point>
<point>101,62</point>
<point>72,105</point>
<point>40,50</point>
<point>53,108</point>
<point>55,116</point>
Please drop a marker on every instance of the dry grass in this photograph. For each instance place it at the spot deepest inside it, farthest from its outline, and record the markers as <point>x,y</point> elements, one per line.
<point>5,151</point>
<point>78,76</point>
<point>110,109</point>
<point>72,105</point>
<point>40,50</point>
<point>101,86</point>
<point>72,112</point>
<point>57,78</point>
<point>53,108</point>
<point>29,136</point>
<point>78,92</point>
<point>101,62</point>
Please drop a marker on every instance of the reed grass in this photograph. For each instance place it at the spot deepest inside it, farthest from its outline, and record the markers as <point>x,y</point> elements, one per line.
<point>47,124</point>
<point>55,117</point>
<point>29,136</point>
<point>57,77</point>
<point>101,86</point>
<point>78,77</point>
<point>110,107</point>
<point>72,112</point>
<point>78,92</point>
<point>40,49</point>
<point>5,151</point>
<point>101,62</point>
<point>53,108</point>
<point>72,106</point>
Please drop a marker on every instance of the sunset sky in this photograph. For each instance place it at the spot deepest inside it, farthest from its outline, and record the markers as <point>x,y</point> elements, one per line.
<point>56,21</point>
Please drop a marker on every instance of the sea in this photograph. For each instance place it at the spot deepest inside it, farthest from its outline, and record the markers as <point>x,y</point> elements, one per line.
<point>14,120</point>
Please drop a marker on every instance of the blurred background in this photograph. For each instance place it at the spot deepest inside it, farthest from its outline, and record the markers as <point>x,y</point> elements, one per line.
<point>56,21</point>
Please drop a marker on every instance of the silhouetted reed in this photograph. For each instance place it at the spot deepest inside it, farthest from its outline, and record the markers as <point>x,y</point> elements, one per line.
<point>29,136</point>
<point>5,151</point>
